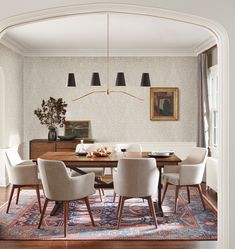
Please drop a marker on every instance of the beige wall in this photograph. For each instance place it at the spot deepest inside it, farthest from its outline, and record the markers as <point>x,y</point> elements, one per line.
<point>116,117</point>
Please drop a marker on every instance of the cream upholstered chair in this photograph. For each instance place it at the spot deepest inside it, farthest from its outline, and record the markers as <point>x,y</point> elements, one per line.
<point>89,148</point>
<point>129,148</point>
<point>189,173</point>
<point>136,178</point>
<point>21,173</point>
<point>61,187</point>
<point>99,172</point>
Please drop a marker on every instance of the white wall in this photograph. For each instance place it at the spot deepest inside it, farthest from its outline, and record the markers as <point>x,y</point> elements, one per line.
<point>11,81</point>
<point>116,117</point>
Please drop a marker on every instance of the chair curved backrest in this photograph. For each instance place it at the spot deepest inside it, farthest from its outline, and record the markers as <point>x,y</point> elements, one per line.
<point>193,167</point>
<point>136,177</point>
<point>55,178</point>
<point>88,147</point>
<point>129,147</point>
<point>20,172</point>
<point>8,164</point>
<point>198,155</point>
<point>13,156</point>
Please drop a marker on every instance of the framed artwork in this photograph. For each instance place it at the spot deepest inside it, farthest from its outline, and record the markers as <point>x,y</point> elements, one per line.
<point>164,103</point>
<point>81,129</point>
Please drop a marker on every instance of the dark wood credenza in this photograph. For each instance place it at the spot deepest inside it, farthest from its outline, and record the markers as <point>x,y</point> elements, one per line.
<point>37,147</point>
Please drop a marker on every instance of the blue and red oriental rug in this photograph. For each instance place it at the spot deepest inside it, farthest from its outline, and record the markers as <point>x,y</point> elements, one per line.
<point>190,223</point>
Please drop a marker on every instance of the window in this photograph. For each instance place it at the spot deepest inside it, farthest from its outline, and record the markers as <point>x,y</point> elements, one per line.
<point>213,104</point>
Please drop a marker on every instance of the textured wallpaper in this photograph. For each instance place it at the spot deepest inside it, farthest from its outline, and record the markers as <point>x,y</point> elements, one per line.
<point>12,74</point>
<point>11,104</point>
<point>114,117</point>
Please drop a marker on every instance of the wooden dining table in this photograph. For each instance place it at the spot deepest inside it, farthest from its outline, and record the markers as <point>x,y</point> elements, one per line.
<point>75,162</point>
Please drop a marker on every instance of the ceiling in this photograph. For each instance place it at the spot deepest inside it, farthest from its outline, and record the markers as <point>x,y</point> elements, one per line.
<point>129,35</point>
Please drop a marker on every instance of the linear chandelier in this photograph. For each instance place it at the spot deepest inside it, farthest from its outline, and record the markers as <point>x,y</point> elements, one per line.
<point>120,79</point>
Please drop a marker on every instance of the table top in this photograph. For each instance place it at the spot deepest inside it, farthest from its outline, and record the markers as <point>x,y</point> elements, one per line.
<point>73,159</point>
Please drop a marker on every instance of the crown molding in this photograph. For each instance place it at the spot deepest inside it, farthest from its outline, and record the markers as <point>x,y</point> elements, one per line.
<point>205,45</point>
<point>103,53</point>
<point>28,52</point>
<point>13,45</point>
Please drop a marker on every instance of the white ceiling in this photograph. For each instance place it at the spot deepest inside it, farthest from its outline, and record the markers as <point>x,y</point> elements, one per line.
<point>128,35</point>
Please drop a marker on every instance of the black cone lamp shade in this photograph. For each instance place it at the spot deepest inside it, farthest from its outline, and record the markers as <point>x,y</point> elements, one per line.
<point>120,80</point>
<point>95,80</point>
<point>71,80</point>
<point>145,80</point>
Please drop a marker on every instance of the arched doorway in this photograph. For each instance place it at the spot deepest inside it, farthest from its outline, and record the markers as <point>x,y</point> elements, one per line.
<point>222,42</point>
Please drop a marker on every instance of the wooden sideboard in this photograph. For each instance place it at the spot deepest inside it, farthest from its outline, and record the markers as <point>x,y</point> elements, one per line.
<point>37,147</point>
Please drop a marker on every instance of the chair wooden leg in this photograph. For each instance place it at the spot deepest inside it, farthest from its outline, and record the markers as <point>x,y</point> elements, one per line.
<point>118,208</point>
<point>38,196</point>
<point>102,190</point>
<point>114,196</point>
<point>122,200</point>
<point>43,212</point>
<point>200,193</point>
<point>164,192</point>
<point>176,197</point>
<point>18,195</point>
<point>188,192</point>
<point>100,195</point>
<point>152,210</point>
<point>89,210</point>
<point>10,198</point>
<point>66,209</point>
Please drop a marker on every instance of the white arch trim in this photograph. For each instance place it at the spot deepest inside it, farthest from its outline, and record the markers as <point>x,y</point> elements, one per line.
<point>223,61</point>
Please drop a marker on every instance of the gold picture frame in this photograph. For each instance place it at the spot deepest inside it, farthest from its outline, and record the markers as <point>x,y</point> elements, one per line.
<point>81,129</point>
<point>164,103</point>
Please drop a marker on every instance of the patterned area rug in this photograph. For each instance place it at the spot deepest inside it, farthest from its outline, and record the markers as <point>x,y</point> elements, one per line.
<point>190,223</point>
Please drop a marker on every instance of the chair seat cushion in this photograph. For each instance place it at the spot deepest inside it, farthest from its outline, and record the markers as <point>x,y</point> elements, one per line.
<point>97,171</point>
<point>172,178</point>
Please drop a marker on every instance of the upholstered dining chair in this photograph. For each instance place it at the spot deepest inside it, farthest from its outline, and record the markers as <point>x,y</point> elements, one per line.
<point>136,178</point>
<point>99,172</point>
<point>59,186</point>
<point>135,147</point>
<point>189,173</point>
<point>21,173</point>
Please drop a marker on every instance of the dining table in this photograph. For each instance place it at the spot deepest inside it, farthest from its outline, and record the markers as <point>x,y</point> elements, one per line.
<point>77,162</point>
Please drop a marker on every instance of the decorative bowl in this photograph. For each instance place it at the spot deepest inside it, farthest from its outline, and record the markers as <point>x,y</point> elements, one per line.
<point>67,138</point>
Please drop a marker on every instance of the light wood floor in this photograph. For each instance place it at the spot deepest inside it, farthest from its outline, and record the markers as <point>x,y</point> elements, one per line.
<point>4,193</point>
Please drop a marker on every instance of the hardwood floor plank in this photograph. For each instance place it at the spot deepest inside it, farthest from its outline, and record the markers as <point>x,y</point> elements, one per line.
<point>108,244</point>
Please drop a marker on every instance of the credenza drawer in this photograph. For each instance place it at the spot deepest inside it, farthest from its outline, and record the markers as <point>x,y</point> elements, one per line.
<point>37,149</point>
<point>66,145</point>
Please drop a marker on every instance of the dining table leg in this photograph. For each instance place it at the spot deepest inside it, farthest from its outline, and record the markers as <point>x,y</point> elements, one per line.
<point>57,206</point>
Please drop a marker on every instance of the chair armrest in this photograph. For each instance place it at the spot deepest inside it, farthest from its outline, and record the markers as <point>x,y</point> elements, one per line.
<point>191,174</point>
<point>26,162</point>
<point>24,174</point>
<point>82,186</point>
<point>171,169</point>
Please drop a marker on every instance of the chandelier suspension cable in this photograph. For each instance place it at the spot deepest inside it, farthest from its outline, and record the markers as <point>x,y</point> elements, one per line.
<point>107,53</point>
<point>108,91</point>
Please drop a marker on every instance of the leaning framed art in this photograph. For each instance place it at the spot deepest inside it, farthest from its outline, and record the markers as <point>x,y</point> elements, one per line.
<point>164,103</point>
<point>81,129</point>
